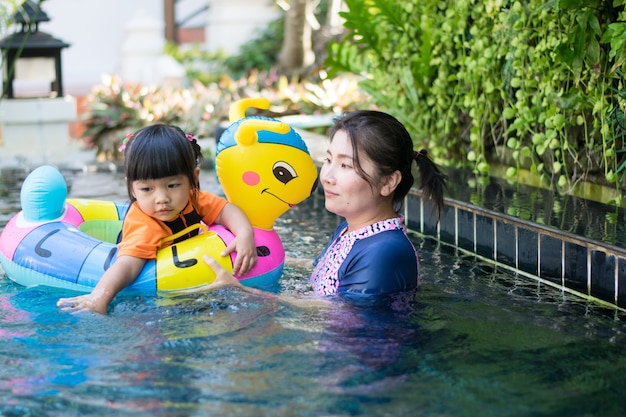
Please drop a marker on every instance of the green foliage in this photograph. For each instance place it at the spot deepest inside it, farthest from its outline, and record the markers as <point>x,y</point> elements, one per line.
<point>200,65</point>
<point>528,84</point>
<point>259,54</point>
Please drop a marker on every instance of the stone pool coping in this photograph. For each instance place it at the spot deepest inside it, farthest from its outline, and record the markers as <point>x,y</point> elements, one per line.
<point>573,244</point>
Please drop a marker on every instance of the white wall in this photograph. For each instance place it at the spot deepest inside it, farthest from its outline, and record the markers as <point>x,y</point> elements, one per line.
<point>95,30</point>
<point>233,22</point>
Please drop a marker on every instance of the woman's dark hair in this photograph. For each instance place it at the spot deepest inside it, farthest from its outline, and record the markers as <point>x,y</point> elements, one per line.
<point>159,151</point>
<point>386,142</point>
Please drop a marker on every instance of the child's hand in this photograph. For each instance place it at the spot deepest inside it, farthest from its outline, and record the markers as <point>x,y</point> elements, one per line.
<point>87,302</point>
<point>119,275</point>
<point>246,254</point>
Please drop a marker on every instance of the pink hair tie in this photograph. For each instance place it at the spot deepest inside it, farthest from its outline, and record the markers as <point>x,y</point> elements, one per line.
<point>189,137</point>
<point>128,137</point>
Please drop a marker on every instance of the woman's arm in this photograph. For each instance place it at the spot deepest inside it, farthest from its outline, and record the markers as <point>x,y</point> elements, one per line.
<point>225,280</point>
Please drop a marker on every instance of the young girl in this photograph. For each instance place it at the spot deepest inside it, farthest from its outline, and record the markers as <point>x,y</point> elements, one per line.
<point>162,169</point>
<point>366,176</point>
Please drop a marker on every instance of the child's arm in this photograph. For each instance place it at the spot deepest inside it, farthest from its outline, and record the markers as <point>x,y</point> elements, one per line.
<point>237,222</point>
<point>116,278</point>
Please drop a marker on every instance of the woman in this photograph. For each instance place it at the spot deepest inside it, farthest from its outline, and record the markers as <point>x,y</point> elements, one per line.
<point>366,176</point>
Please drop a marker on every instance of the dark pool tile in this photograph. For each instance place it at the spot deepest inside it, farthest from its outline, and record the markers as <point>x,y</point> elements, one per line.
<point>506,246</point>
<point>484,236</point>
<point>430,218</point>
<point>603,275</point>
<point>576,267</point>
<point>413,212</point>
<point>447,225</point>
<point>465,221</point>
<point>551,258</point>
<point>621,282</point>
<point>527,250</point>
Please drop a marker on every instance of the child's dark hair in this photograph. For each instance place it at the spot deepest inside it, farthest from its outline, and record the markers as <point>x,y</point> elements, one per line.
<point>386,142</point>
<point>159,151</point>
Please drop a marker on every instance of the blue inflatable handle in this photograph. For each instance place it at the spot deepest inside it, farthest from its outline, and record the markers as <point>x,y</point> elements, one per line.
<point>43,195</point>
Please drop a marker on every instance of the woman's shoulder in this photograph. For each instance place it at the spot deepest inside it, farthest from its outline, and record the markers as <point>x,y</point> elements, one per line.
<point>379,252</point>
<point>387,242</point>
<point>378,266</point>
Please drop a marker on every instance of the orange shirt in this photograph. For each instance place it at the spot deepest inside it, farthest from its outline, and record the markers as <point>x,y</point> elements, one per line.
<point>142,234</point>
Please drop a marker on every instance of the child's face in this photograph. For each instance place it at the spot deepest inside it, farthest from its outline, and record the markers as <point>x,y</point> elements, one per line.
<point>162,199</point>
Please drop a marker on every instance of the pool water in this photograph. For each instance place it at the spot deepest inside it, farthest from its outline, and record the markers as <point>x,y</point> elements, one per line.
<point>473,341</point>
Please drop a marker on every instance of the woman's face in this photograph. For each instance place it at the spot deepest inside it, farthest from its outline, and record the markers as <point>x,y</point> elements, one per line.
<point>348,194</point>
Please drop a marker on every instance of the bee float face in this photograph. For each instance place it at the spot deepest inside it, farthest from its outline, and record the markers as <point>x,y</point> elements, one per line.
<point>266,168</point>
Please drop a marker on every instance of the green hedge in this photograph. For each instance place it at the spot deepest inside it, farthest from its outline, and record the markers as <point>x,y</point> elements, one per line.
<point>528,85</point>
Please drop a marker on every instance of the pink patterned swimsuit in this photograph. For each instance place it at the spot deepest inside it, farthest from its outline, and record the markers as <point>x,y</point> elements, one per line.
<point>378,259</point>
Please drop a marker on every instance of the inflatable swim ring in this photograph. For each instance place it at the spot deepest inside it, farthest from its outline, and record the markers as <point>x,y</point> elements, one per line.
<point>264,167</point>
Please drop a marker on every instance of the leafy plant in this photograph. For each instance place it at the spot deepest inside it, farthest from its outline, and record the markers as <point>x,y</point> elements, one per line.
<point>527,84</point>
<point>115,109</point>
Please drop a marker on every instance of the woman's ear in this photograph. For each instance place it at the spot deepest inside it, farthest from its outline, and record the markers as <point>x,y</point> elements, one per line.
<point>390,183</point>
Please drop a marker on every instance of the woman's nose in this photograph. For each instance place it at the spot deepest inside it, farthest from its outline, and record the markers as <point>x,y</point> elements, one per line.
<point>326,175</point>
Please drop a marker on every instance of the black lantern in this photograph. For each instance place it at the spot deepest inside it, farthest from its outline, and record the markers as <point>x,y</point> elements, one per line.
<point>31,43</point>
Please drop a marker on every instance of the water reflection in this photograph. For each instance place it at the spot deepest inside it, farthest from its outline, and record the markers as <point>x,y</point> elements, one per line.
<point>579,216</point>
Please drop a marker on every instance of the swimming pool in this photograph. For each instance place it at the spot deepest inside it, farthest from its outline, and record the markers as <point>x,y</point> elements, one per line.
<point>474,341</point>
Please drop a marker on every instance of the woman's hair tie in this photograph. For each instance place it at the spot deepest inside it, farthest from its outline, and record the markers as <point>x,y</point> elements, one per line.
<point>422,152</point>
